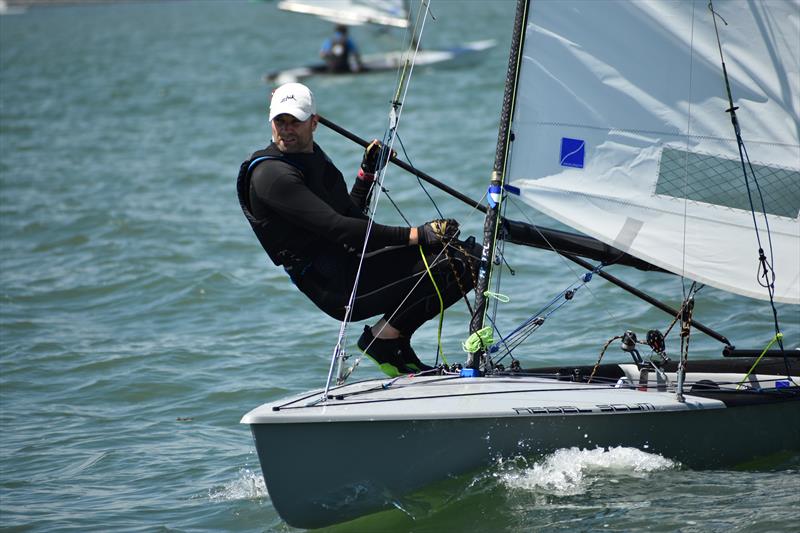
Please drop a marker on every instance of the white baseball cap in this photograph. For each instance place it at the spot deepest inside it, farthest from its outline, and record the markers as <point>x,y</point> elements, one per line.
<point>293,98</point>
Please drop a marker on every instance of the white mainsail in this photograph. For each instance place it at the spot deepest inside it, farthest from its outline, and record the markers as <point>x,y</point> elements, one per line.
<point>352,12</point>
<point>621,131</point>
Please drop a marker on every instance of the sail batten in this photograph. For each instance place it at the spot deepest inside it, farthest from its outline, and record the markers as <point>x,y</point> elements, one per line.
<point>621,132</point>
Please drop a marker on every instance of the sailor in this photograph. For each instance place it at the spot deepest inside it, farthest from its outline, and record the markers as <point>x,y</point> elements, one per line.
<point>298,205</point>
<point>337,50</point>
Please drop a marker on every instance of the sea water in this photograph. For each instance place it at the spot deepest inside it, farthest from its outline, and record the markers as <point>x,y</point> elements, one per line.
<point>141,319</point>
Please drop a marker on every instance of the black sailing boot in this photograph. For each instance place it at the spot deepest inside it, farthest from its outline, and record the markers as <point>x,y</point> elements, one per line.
<point>410,358</point>
<point>387,353</point>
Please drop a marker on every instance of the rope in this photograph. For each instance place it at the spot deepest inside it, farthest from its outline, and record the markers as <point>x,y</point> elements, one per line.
<point>502,298</point>
<point>529,327</point>
<point>482,338</point>
<point>386,151</point>
<point>602,353</point>
<point>764,270</point>
<point>459,281</point>
<point>439,349</point>
<point>776,338</point>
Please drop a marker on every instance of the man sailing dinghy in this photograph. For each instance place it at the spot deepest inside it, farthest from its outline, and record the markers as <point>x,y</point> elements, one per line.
<point>641,148</point>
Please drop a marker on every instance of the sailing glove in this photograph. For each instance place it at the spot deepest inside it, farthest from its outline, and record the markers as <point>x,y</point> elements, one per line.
<point>371,162</point>
<point>437,233</point>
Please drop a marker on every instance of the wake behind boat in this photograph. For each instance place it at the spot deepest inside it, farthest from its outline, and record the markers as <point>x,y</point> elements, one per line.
<point>642,150</point>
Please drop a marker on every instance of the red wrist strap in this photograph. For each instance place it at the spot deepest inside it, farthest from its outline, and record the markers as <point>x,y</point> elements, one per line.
<point>365,176</point>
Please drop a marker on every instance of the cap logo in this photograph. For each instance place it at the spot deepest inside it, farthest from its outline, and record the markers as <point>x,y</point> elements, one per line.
<point>289,97</point>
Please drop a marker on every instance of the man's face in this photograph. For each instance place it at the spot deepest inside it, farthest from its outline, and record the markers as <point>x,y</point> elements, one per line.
<point>293,136</point>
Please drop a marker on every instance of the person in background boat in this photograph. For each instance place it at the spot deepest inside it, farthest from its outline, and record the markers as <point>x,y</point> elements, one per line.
<point>298,205</point>
<point>337,51</point>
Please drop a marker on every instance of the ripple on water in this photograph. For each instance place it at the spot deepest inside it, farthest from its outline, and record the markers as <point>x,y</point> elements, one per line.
<point>140,318</point>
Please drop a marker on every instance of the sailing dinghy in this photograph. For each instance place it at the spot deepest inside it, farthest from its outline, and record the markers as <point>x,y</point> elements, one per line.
<point>624,130</point>
<point>385,13</point>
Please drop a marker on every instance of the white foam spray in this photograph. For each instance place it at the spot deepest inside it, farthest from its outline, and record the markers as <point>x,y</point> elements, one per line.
<point>571,471</point>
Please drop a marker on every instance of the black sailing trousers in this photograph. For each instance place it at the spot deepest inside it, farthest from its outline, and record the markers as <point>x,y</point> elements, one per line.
<point>394,283</point>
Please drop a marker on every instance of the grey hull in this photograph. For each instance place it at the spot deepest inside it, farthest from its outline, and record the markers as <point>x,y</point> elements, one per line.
<point>335,466</point>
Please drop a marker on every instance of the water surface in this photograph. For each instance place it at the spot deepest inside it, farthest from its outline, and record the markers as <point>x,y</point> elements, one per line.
<point>140,318</point>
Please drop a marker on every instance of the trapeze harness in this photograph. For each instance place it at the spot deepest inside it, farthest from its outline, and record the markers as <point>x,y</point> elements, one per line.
<point>321,236</point>
<point>280,256</point>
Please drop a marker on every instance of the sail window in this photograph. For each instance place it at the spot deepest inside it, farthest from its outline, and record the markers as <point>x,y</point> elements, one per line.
<point>718,181</point>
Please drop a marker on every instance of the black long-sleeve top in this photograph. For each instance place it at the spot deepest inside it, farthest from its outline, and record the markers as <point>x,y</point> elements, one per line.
<point>310,211</point>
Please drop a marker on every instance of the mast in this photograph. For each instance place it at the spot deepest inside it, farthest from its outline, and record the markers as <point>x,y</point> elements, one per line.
<point>490,224</point>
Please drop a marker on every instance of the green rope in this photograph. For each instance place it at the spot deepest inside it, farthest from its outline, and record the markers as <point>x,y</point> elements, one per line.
<point>482,338</point>
<point>778,336</point>
<point>497,296</point>
<point>441,304</point>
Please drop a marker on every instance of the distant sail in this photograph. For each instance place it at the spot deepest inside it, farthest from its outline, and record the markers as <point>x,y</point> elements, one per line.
<point>621,131</point>
<point>352,12</point>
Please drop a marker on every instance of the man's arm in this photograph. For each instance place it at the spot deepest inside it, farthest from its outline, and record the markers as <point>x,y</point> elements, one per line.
<point>285,193</point>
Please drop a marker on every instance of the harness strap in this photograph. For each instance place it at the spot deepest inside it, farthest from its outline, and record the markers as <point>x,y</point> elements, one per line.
<point>243,182</point>
<point>275,253</point>
<point>258,160</point>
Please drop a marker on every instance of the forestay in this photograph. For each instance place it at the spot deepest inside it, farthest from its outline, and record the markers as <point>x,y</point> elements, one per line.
<point>621,132</point>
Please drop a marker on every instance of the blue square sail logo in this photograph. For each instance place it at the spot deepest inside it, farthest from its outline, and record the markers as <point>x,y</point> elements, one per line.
<point>572,152</point>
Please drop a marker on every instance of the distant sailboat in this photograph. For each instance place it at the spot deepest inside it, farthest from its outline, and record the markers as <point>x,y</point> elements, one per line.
<point>387,13</point>
<point>353,12</point>
<point>614,122</point>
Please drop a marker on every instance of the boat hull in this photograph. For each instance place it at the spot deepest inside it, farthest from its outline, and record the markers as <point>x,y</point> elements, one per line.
<point>456,56</point>
<point>334,466</point>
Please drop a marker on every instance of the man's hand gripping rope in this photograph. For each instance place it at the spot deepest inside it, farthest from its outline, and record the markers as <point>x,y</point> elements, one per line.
<point>373,161</point>
<point>436,234</point>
